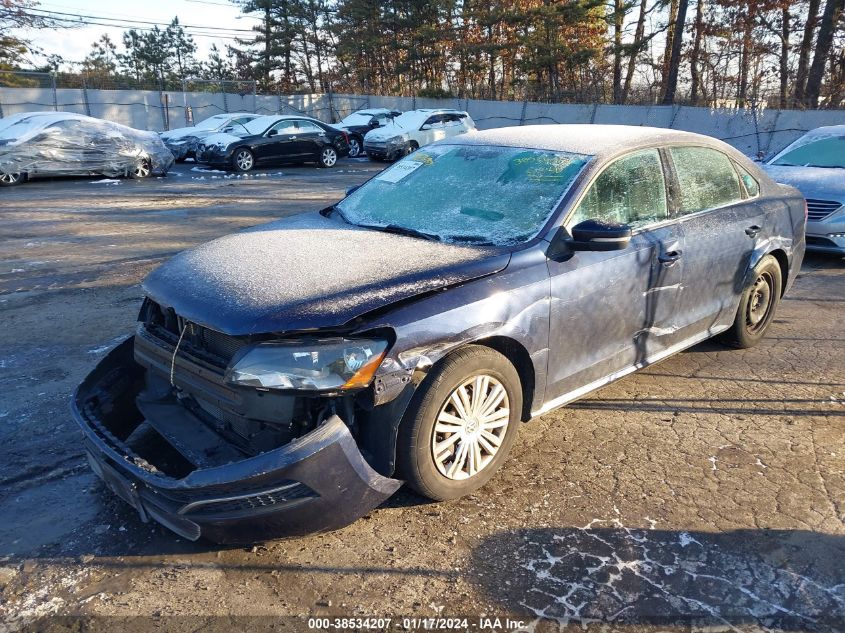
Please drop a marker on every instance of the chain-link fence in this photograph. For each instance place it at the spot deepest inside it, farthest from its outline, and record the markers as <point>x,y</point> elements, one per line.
<point>152,105</point>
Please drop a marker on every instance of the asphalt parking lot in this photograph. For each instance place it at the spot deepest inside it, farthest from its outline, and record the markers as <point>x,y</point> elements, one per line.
<point>705,491</point>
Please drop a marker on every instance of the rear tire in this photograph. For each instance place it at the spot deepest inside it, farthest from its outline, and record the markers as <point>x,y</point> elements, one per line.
<point>328,157</point>
<point>356,146</point>
<point>757,305</point>
<point>10,180</point>
<point>413,146</point>
<point>243,160</point>
<point>446,450</point>
<point>144,170</point>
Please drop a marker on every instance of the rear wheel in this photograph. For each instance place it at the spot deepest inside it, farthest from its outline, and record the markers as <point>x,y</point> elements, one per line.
<point>143,170</point>
<point>413,146</point>
<point>757,305</point>
<point>243,160</point>
<point>354,147</point>
<point>10,180</point>
<point>328,157</point>
<point>461,424</point>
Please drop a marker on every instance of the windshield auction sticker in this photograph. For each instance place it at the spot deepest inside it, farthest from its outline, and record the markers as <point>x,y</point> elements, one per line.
<point>399,171</point>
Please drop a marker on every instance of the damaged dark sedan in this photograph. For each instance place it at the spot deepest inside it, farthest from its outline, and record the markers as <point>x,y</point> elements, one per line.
<point>289,378</point>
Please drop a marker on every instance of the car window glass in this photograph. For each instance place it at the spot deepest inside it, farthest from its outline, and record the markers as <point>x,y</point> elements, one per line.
<point>243,119</point>
<point>751,184</point>
<point>706,178</point>
<point>286,127</point>
<point>827,151</point>
<point>631,191</point>
<point>306,127</point>
<point>435,121</point>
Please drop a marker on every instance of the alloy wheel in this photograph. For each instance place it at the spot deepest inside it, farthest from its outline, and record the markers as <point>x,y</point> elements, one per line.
<point>10,179</point>
<point>142,170</point>
<point>244,160</point>
<point>470,427</point>
<point>354,148</point>
<point>329,157</point>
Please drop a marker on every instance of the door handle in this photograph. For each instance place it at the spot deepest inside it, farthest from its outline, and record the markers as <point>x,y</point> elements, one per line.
<point>669,258</point>
<point>752,230</point>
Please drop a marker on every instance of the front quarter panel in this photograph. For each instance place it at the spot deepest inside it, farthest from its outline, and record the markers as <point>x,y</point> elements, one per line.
<point>513,304</point>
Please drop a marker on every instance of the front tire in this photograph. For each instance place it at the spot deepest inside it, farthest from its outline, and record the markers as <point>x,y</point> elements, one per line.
<point>461,424</point>
<point>10,180</point>
<point>243,160</point>
<point>328,157</point>
<point>757,305</point>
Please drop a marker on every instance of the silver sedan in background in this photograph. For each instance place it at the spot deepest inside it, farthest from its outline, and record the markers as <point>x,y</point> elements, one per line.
<point>815,165</point>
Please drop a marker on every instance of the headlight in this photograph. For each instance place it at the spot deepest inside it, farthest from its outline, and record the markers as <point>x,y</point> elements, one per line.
<point>329,364</point>
<point>396,140</point>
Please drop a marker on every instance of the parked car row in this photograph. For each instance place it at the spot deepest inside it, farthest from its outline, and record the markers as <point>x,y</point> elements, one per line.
<point>66,144</point>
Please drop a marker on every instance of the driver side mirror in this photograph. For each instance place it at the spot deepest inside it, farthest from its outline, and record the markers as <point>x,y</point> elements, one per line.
<point>272,133</point>
<point>589,235</point>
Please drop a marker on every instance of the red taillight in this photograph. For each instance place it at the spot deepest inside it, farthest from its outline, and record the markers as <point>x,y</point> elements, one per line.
<point>346,138</point>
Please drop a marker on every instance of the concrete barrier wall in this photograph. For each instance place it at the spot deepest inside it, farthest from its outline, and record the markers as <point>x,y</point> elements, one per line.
<point>765,132</point>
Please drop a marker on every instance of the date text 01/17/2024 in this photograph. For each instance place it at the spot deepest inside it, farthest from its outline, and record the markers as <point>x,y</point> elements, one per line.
<point>490,624</point>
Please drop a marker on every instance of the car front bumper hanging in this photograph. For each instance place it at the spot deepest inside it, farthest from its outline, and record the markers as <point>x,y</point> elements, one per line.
<point>317,482</point>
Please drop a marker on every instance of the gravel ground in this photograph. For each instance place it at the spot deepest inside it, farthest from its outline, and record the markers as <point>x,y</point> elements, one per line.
<point>707,491</point>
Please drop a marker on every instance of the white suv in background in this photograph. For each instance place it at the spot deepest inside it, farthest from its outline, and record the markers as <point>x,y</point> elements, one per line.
<point>414,129</point>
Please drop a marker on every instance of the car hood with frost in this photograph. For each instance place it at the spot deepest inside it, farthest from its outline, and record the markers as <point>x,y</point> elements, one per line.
<point>819,183</point>
<point>221,139</point>
<point>386,132</point>
<point>309,272</point>
<point>183,132</point>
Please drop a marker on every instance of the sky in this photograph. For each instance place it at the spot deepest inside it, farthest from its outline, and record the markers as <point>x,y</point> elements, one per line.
<point>74,43</point>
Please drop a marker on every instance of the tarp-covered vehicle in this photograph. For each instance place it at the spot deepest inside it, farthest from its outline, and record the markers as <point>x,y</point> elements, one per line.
<point>47,144</point>
<point>284,379</point>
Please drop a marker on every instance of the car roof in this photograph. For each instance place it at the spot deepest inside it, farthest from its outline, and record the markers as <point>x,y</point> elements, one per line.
<point>826,130</point>
<point>584,138</point>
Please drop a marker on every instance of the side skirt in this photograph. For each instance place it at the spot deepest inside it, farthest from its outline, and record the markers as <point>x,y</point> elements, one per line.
<point>601,382</point>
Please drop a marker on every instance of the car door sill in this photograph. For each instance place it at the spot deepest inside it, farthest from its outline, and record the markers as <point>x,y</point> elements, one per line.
<point>601,382</point>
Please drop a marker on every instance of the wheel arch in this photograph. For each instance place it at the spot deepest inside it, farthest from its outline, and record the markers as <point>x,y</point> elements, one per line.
<point>783,262</point>
<point>519,357</point>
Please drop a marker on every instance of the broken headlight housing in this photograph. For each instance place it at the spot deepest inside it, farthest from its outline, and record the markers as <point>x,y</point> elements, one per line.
<point>320,365</point>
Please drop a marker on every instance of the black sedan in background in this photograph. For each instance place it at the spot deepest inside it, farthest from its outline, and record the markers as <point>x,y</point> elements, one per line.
<point>357,124</point>
<point>272,140</point>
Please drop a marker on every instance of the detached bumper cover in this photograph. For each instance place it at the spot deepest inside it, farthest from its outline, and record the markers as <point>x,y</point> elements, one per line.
<point>315,483</point>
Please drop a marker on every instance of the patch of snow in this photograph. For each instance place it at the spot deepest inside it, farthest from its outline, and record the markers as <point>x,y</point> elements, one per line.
<point>106,181</point>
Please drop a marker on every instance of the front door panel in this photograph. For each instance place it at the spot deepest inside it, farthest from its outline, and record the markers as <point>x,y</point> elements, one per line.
<point>612,310</point>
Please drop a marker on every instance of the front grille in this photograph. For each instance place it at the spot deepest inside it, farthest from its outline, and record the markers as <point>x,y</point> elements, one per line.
<point>820,209</point>
<point>165,325</point>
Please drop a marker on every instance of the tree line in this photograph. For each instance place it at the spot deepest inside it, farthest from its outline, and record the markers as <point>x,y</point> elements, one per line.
<point>701,52</point>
